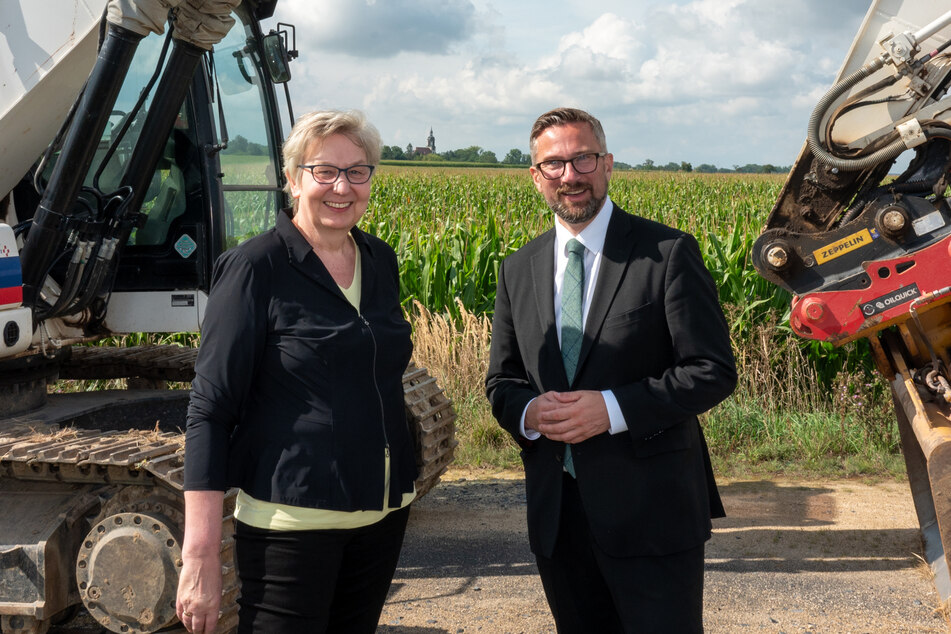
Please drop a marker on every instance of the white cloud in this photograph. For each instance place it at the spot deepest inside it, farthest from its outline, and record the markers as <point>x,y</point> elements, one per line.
<point>609,36</point>
<point>366,28</point>
<point>684,54</point>
<point>729,78</point>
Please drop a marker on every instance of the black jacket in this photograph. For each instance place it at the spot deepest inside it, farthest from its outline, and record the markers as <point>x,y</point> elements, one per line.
<point>656,337</point>
<point>296,396</point>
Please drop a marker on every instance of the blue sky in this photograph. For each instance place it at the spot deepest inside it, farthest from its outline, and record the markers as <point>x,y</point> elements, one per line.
<point>726,82</point>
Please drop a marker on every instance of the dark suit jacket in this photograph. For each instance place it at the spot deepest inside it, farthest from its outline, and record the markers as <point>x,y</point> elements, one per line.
<point>656,336</point>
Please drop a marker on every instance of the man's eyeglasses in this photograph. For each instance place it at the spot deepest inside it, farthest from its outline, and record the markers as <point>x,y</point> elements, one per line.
<point>582,164</point>
<point>328,174</point>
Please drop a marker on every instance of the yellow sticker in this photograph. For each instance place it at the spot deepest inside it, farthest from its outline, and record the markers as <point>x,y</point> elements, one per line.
<point>849,243</point>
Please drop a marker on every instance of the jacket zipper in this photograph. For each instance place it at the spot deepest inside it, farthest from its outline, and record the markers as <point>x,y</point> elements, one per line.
<point>379,398</point>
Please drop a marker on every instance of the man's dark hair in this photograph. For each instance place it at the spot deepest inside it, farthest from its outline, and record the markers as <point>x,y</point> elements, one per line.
<point>561,116</point>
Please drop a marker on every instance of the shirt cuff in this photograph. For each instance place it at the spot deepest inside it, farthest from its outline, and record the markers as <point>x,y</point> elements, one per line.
<point>532,434</point>
<point>618,424</point>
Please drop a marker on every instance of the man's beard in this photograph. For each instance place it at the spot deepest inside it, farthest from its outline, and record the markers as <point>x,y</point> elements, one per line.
<point>576,215</point>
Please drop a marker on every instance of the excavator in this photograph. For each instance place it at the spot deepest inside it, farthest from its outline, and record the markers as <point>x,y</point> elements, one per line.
<point>866,253</point>
<point>139,139</point>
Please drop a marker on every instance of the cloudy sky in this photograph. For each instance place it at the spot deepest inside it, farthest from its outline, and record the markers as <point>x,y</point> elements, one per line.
<point>726,82</point>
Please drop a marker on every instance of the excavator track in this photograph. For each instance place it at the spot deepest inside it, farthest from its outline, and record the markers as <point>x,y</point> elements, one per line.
<point>428,409</point>
<point>87,456</point>
<point>160,362</point>
<point>121,489</point>
<point>137,478</point>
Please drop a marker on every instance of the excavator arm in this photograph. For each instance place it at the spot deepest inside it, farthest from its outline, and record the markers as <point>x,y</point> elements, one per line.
<point>868,254</point>
<point>198,25</point>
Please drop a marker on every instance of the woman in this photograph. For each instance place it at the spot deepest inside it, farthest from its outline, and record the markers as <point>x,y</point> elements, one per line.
<point>298,401</point>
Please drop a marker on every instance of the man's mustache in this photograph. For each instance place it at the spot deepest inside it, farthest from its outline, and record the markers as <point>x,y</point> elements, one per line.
<point>564,189</point>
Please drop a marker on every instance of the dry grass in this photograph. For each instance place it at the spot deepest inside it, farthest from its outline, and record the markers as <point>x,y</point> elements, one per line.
<point>456,352</point>
<point>144,436</point>
<point>67,433</point>
<point>778,416</point>
<point>775,376</point>
<point>943,608</point>
<point>24,432</point>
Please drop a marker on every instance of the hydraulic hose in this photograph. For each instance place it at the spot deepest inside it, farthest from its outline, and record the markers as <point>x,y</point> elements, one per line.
<point>887,153</point>
<point>80,142</point>
<point>71,285</point>
<point>101,270</point>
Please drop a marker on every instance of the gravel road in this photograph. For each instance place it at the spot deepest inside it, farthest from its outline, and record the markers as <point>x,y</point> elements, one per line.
<point>819,557</point>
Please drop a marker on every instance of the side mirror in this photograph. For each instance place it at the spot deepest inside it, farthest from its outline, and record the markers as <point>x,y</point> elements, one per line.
<point>277,56</point>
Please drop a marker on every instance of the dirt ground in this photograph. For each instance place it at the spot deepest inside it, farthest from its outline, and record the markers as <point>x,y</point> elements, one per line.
<point>820,557</point>
<point>837,557</point>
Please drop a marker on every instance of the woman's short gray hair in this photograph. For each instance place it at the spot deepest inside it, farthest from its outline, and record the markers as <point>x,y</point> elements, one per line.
<point>318,125</point>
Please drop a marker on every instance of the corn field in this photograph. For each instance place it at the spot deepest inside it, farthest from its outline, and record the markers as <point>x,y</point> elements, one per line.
<point>451,229</point>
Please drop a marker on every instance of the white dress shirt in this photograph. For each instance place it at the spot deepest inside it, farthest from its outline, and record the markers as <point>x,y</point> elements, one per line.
<point>592,237</point>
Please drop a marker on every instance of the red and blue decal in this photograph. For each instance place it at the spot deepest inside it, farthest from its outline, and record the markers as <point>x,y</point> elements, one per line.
<point>11,278</point>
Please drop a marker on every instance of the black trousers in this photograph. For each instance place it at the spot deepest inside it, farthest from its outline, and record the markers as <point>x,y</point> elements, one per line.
<point>295,582</point>
<point>590,591</point>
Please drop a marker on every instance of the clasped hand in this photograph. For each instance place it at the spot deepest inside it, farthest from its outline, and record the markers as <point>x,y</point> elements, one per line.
<point>569,417</point>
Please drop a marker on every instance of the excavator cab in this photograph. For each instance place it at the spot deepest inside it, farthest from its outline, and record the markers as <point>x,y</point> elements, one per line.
<point>217,180</point>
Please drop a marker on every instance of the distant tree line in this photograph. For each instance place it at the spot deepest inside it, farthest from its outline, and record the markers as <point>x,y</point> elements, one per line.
<point>471,154</point>
<point>704,168</point>
<point>475,154</point>
<point>240,145</point>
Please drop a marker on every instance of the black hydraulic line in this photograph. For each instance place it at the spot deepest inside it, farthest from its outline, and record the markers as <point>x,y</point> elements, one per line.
<point>937,51</point>
<point>101,267</point>
<point>166,104</point>
<point>98,258</point>
<point>133,113</point>
<point>72,281</point>
<point>216,96</point>
<point>937,132</point>
<point>56,143</point>
<point>855,101</point>
<point>79,146</point>
<point>815,145</point>
<point>913,187</point>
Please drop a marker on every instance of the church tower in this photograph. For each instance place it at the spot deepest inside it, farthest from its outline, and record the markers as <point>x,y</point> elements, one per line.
<point>431,141</point>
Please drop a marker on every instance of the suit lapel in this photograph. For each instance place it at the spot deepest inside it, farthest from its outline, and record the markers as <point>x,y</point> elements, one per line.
<point>618,245</point>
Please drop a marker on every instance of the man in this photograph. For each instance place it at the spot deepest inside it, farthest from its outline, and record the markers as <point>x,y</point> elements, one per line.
<point>602,358</point>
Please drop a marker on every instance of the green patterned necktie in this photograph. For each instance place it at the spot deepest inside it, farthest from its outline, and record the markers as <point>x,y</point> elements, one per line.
<point>572,307</point>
